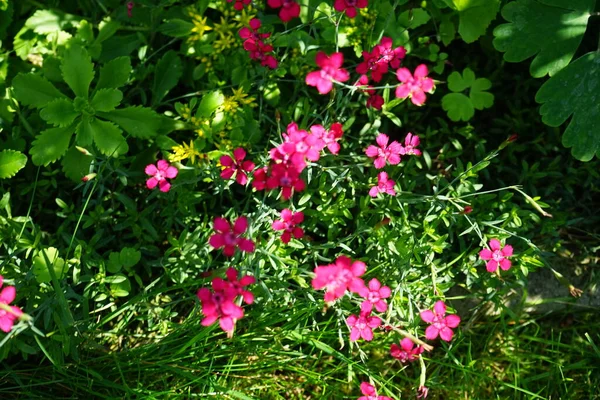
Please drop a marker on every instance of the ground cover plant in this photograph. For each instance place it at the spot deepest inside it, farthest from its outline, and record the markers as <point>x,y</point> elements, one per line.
<point>296,199</point>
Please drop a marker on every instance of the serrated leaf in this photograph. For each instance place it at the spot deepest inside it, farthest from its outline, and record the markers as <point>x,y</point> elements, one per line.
<point>106,99</point>
<point>50,145</point>
<point>210,102</point>
<point>77,70</point>
<point>114,73</point>
<point>549,30</point>
<point>478,95</point>
<point>49,21</point>
<point>11,162</point>
<point>84,132</point>
<point>575,91</point>
<point>41,266</point>
<point>59,112</point>
<point>139,122</point>
<point>108,138</point>
<point>474,17</point>
<point>33,90</point>
<point>166,75</point>
<point>458,106</point>
<point>75,164</point>
<point>107,30</point>
<point>176,28</point>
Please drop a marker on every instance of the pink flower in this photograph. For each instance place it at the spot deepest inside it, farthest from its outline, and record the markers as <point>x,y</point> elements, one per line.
<point>374,295</point>
<point>237,286</point>
<point>373,62</point>
<point>497,256</point>
<point>230,237</point>
<point>289,9</point>
<point>349,6</point>
<point>363,325</point>
<point>370,393</point>
<point>384,185</point>
<point>239,4</point>
<point>410,145</point>
<point>288,178</point>
<point>388,54</point>
<point>406,351</point>
<point>422,392</point>
<point>331,69</point>
<point>130,6</point>
<point>414,86</point>
<point>440,323</point>
<point>260,178</point>
<point>376,101</point>
<point>338,277</point>
<point>238,166</point>
<point>329,137</point>
<point>7,318</point>
<point>251,35</point>
<point>160,173</point>
<point>384,153</point>
<point>288,223</point>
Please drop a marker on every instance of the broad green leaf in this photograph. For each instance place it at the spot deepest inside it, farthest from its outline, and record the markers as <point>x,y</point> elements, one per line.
<point>549,30</point>
<point>75,164</point>
<point>478,95</point>
<point>130,257</point>
<point>413,18</point>
<point>108,138</point>
<point>23,42</point>
<point>85,32</point>
<point>33,90</point>
<point>447,31</point>
<point>114,263</point>
<point>120,288</point>
<point>474,17</point>
<point>458,82</point>
<point>139,122</point>
<point>176,28</point>
<point>84,132</point>
<point>114,73</point>
<point>106,99</point>
<point>50,145</point>
<point>166,75</point>
<point>11,162</point>
<point>49,21</point>
<point>59,112</point>
<point>42,264</point>
<point>107,30</point>
<point>210,102</point>
<point>458,106</point>
<point>77,70</point>
<point>575,91</point>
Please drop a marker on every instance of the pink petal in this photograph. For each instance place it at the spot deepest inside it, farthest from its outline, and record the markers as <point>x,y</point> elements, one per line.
<point>321,59</point>
<point>505,264</point>
<point>373,322</point>
<point>374,191</point>
<point>358,268</point>
<point>351,320</point>
<point>162,165</point>
<point>172,172</point>
<point>431,332</point>
<point>367,334</point>
<point>421,71</point>
<point>491,266</point>
<point>6,323</point>
<point>407,344</point>
<point>164,186</point>
<point>381,306</point>
<point>324,86</point>
<point>395,147</point>
<point>507,251</point>
<point>246,245</point>
<point>151,183</point>
<point>150,169</point>
<point>452,320</point>
<point>278,225</point>
<point>418,97</point>
<point>226,161</point>
<point>336,60</point>
<point>374,284</point>
<point>8,294</point>
<point>485,254</point>
<point>240,226</point>
<point>239,153</point>
<point>379,162</point>
<point>255,23</point>
<point>382,140</point>
<point>367,389</point>
<point>394,159</point>
<point>403,75</point>
<point>495,244</point>
<point>446,334</point>
<point>248,297</point>
<point>226,324</point>
<point>427,316</point>
<point>241,178</point>
<point>227,173</point>
<point>385,292</point>
<point>354,334</point>
<point>439,308</point>
<point>221,225</point>
<point>313,78</point>
<point>229,251</point>
<point>372,151</point>
<point>402,91</point>
<point>216,241</point>
<point>427,85</point>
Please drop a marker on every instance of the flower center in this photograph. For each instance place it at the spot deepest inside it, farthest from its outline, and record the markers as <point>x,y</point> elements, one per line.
<point>230,239</point>
<point>497,256</point>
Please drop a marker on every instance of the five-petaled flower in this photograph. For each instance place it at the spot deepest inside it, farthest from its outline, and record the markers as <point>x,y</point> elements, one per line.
<point>331,69</point>
<point>229,237</point>
<point>497,256</point>
<point>374,295</point>
<point>289,225</point>
<point>289,9</point>
<point>407,351</point>
<point>159,175</point>
<point>384,185</point>
<point>336,278</point>
<point>349,6</point>
<point>362,326</point>
<point>410,145</point>
<point>236,165</point>
<point>8,313</point>
<point>384,153</point>
<point>370,393</point>
<point>414,86</point>
<point>441,323</point>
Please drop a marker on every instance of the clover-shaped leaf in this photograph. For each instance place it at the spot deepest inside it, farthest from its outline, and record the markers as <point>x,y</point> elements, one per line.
<point>575,90</point>
<point>458,106</point>
<point>46,259</point>
<point>462,107</point>
<point>550,30</point>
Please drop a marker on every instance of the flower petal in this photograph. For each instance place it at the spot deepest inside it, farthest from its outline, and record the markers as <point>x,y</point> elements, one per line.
<point>439,308</point>
<point>495,244</point>
<point>427,316</point>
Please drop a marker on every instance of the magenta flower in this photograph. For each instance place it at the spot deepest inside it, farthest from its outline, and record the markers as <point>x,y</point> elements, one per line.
<point>287,178</point>
<point>237,286</point>
<point>230,237</point>
<point>288,223</point>
<point>384,185</point>
<point>370,393</point>
<point>260,178</point>
<point>329,137</point>
<point>237,165</point>
<point>349,6</point>
<point>406,351</point>
<point>289,9</point>
<point>239,4</point>
<point>374,295</point>
<point>410,145</point>
<point>338,277</point>
<point>440,323</point>
<point>414,86</point>
<point>160,173</point>
<point>384,153</point>
<point>375,100</point>
<point>497,256</point>
<point>393,56</point>
<point>373,62</point>
<point>331,69</point>
<point>7,318</point>
<point>363,325</point>
<point>130,6</point>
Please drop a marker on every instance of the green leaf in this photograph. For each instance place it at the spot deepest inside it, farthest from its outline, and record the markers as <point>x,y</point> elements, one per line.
<point>108,138</point>
<point>474,17</point>
<point>106,99</point>
<point>114,263</point>
<point>49,21</point>
<point>130,257</point>
<point>11,162</point>
<point>139,122</point>
<point>478,95</point>
<point>210,102</point>
<point>114,73</point>
<point>458,106</point>
<point>107,30</point>
<point>458,83</point>
<point>41,265</point>
<point>59,112</point>
<point>77,70</point>
<point>413,18</point>
<point>33,90</point>
<point>50,145</point>
<point>84,132</point>
<point>121,288</point>
<point>166,75</point>
<point>549,30</point>
<point>176,28</point>
<point>447,31</point>
<point>75,164</point>
<point>575,91</point>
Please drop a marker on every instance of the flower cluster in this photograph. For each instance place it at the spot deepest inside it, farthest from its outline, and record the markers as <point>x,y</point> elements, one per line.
<point>349,6</point>
<point>255,46</point>
<point>378,61</point>
<point>289,9</point>
<point>8,313</point>
<point>407,351</point>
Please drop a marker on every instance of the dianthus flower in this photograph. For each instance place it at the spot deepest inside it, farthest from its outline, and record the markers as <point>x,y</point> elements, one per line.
<point>236,165</point>
<point>497,256</point>
<point>229,237</point>
<point>350,6</point>
<point>288,224</point>
<point>255,46</point>
<point>289,9</point>
<point>374,295</point>
<point>390,55</point>
<point>414,86</point>
<point>287,178</point>
<point>410,145</point>
<point>251,35</point>
<point>8,313</point>
<point>239,4</point>
<point>329,137</point>
<point>373,62</point>
<point>362,326</point>
<point>160,173</point>
<point>260,178</point>
<point>336,278</point>
<point>384,153</point>
<point>236,286</point>
<point>298,146</point>
<point>384,185</point>
<point>331,69</point>
<point>375,100</point>
<point>440,323</point>
<point>406,351</point>
<point>370,393</point>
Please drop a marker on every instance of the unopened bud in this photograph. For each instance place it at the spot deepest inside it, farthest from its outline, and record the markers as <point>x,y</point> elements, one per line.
<point>467,210</point>
<point>84,151</point>
<point>88,177</point>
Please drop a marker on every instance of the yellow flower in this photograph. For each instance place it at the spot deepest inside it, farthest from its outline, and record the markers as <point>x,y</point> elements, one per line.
<point>225,42</point>
<point>199,28</point>
<point>243,18</point>
<point>224,28</point>
<point>241,97</point>
<point>181,152</point>
<point>230,104</point>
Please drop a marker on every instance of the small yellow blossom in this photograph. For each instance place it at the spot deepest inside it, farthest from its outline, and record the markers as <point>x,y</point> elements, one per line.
<point>243,18</point>
<point>230,105</point>
<point>200,26</point>
<point>181,152</point>
<point>241,97</point>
